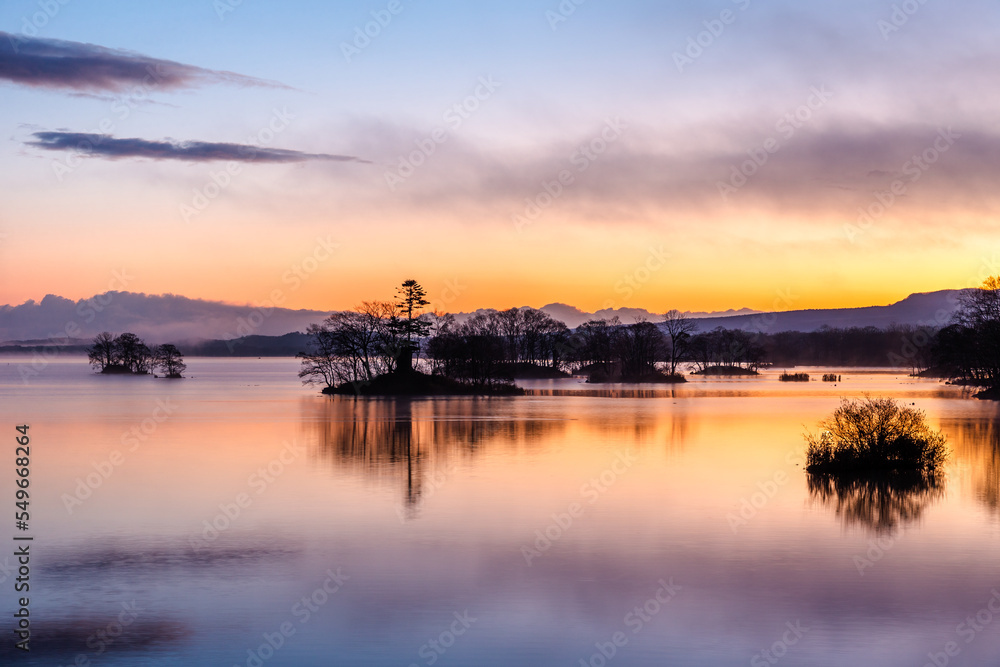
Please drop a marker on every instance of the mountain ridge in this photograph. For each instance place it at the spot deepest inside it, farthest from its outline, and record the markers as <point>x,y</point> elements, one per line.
<point>170,317</point>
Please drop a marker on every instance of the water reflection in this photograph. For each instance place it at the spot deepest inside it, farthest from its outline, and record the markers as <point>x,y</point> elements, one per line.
<point>880,503</point>
<point>143,555</point>
<point>416,443</point>
<point>80,639</point>
<point>976,442</point>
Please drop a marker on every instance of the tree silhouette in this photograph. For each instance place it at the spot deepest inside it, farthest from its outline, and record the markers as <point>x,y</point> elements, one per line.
<point>679,329</point>
<point>169,360</point>
<point>126,353</point>
<point>102,353</point>
<point>409,323</point>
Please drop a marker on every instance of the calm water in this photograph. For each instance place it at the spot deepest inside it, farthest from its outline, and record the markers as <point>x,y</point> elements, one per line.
<point>201,522</point>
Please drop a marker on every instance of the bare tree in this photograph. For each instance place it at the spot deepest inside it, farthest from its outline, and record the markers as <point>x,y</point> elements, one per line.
<point>638,346</point>
<point>679,328</point>
<point>102,353</point>
<point>978,317</point>
<point>353,346</point>
<point>321,364</point>
<point>169,360</point>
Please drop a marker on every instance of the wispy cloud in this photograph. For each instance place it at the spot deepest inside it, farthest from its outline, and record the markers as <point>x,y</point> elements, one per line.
<point>190,151</point>
<point>51,63</point>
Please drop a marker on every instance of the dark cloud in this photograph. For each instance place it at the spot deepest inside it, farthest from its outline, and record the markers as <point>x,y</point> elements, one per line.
<point>191,151</point>
<point>52,63</point>
<point>650,176</point>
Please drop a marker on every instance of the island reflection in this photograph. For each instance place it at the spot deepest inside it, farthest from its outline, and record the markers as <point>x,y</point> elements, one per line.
<point>976,444</point>
<point>880,503</point>
<point>416,443</point>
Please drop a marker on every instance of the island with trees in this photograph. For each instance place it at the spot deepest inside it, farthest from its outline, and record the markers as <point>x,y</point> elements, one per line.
<point>389,348</point>
<point>370,350</point>
<point>127,354</point>
<point>732,352</point>
<point>968,350</point>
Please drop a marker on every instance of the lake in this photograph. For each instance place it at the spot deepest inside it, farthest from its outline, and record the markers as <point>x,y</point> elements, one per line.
<point>239,518</point>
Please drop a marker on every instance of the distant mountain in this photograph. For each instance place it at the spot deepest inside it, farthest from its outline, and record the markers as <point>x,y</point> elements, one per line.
<point>157,318</point>
<point>574,317</point>
<point>171,318</point>
<point>925,309</point>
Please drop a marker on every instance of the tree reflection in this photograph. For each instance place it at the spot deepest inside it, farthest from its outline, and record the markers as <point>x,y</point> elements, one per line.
<point>418,443</point>
<point>878,502</point>
<point>976,443</point>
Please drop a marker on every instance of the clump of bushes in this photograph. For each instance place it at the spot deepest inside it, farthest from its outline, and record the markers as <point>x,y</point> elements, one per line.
<point>794,377</point>
<point>875,434</point>
<point>831,377</point>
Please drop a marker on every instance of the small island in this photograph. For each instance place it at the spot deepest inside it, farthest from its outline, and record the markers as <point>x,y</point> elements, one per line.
<point>726,353</point>
<point>396,348</point>
<point>369,351</point>
<point>620,353</point>
<point>875,435</point>
<point>726,371</point>
<point>128,354</point>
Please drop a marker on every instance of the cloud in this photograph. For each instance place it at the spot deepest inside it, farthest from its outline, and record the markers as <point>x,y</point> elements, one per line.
<point>157,318</point>
<point>191,151</point>
<point>655,176</point>
<point>58,64</point>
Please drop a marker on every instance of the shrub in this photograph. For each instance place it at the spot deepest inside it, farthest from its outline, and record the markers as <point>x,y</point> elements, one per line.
<point>794,377</point>
<point>831,377</point>
<point>875,434</point>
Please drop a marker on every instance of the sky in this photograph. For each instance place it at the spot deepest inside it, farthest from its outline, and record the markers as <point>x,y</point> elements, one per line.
<point>692,155</point>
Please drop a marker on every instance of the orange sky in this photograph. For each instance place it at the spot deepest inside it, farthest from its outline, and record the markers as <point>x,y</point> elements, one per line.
<point>837,169</point>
